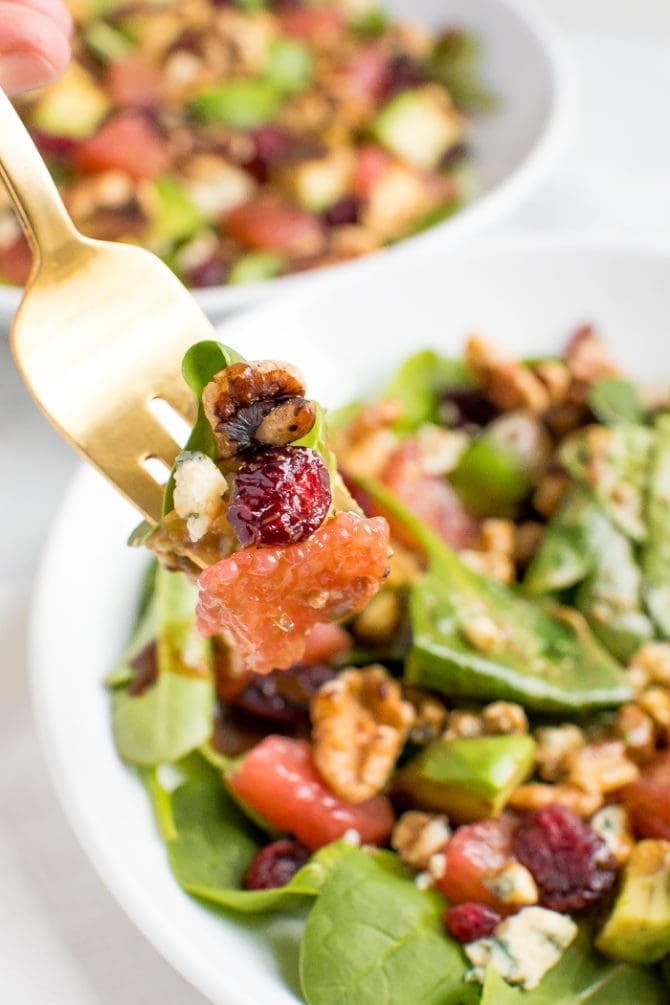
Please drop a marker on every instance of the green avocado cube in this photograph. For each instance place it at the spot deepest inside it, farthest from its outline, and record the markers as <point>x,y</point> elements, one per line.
<point>73,107</point>
<point>255,267</point>
<point>419,126</point>
<point>638,929</point>
<point>290,65</point>
<point>468,779</point>
<point>240,104</point>
<point>175,217</point>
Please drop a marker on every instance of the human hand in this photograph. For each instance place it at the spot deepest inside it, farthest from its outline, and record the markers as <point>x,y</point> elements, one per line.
<point>34,43</point>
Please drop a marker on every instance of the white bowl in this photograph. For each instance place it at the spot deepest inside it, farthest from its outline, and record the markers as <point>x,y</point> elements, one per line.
<point>526,64</point>
<point>529,295</point>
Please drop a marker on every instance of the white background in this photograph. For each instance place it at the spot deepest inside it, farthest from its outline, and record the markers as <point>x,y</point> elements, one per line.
<point>62,937</point>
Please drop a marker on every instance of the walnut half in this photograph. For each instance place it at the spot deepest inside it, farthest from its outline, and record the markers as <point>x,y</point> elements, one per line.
<point>360,723</point>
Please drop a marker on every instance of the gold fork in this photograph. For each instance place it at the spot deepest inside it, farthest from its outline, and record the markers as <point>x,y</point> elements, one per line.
<point>100,333</point>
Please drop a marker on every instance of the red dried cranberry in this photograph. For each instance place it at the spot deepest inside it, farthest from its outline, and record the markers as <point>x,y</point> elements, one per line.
<point>281,496</point>
<point>402,73</point>
<point>212,272</point>
<point>275,865</point>
<point>462,407</point>
<point>467,922</point>
<point>283,696</point>
<point>58,147</point>
<point>343,212</point>
<point>270,145</point>
<point>570,863</point>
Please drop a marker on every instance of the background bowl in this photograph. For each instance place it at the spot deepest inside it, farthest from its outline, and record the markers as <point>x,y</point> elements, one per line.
<point>514,147</point>
<point>529,296</point>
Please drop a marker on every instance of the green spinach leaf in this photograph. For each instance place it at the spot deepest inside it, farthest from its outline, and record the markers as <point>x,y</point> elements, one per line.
<point>564,556</point>
<point>215,843</point>
<point>374,938</point>
<point>419,384</point>
<point>581,977</point>
<point>613,399</point>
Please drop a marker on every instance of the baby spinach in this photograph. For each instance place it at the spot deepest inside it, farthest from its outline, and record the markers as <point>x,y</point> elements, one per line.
<point>200,364</point>
<point>564,555</point>
<point>547,659</point>
<point>581,977</point>
<point>375,938</point>
<point>614,399</point>
<point>214,844</point>
<point>656,553</point>
<point>419,383</point>
<point>173,715</point>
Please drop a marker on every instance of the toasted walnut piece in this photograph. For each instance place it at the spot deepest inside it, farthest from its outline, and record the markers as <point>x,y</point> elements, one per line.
<point>378,622</point>
<point>353,240</point>
<point>507,382</point>
<point>430,715</point>
<point>360,724</point>
<point>655,701</point>
<point>489,563</point>
<point>555,376</point>
<point>550,492</point>
<point>482,632</point>
<point>503,718</point>
<point>405,567</point>
<point>417,837</point>
<point>534,796</point>
<point>528,537</point>
<point>463,725</point>
<point>587,357</point>
<point>638,732</point>
<point>513,884</point>
<point>554,744</point>
<point>377,415</point>
<point>654,659</point>
<point>601,767</point>
<point>563,419</point>
<point>498,535</point>
<point>260,402</point>
<point>613,825</point>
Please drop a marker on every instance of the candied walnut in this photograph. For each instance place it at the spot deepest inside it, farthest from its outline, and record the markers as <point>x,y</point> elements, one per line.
<point>601,767</point>
<point>554,744</point>
<point>513,884</point>
<point>655,701</point>
<point>503,718</point>
<point>430,715</point>
<point>506,381</point>
<point>654,659</point>
<point>636,729</point>
<point>555,376</point>
<point>252,405</point>
<point>535,796</point>
<point>498,536</point>
<point>528,537</point>
<point>550,492</point>
<point>360,724</point>
<point>377,624</point>
<point>365,444</point>
<point>463,725</point>
<point>419,837</point>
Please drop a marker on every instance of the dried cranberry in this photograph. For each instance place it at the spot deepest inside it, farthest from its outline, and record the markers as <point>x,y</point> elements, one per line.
<point>466,406</point>
<point>402,73</point>
<point>270,145</point>
<point>344,211</point>
<point>275,865</point>
<point>570,863</point>
<point>281,496</point>
<point>58,147</point>
<point>284,695</point>
<point>212,272</point>
<point>467,922</point>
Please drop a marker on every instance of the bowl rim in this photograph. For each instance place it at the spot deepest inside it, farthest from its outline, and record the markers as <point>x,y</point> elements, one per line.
<point>156,928</point>
<point>482,212</point>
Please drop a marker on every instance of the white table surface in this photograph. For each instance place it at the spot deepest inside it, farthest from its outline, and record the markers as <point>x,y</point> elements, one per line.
<point>62,937</point>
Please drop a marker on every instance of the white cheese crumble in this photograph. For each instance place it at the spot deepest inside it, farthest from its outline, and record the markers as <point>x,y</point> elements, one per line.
<point>612,824</point>
<point>352,836</point>
<point>523,947</point>
<point>198,491</point>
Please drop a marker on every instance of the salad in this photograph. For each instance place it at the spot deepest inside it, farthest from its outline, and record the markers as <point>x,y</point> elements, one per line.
<point>250,139</point>
<point>452,755</point>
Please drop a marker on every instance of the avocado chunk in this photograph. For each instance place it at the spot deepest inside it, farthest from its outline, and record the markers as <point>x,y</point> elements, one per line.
<point>290,65</point>
<point>419,126</point>
<point>638,929</point>
<point>467,778</point>
<point>73,107</point>
<point>174,216</point>
<point>255,267</point>
<point>240,104</point>
<point>106,42</point>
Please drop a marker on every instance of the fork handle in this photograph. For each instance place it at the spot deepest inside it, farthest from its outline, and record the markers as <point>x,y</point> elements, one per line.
<point>40,208</point>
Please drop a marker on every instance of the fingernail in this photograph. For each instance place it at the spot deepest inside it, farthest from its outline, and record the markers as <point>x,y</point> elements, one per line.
<point>23,71</point>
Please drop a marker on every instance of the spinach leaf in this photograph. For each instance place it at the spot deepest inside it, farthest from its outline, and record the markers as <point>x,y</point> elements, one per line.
<point>215,843</point>
<point>564,556</point>
<point>201,363</point>
<point>174,715</point>
<point>656,553</point>
<point>144,635</point>
<point>455,63</point>
<point>375,938</point>
<point>613,399</point>
<point>612,463</point>
<point>419,384</point>
<point>547,660</point>
<point>581,977</point>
